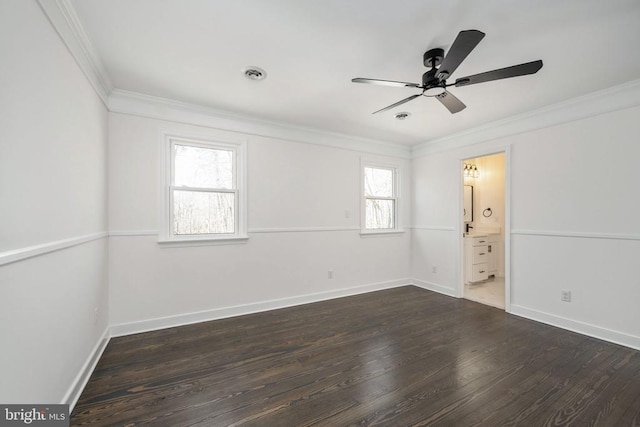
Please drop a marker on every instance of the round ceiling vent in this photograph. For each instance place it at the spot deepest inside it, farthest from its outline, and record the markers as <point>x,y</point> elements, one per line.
<point>254,73</point>
<point>403,115</point>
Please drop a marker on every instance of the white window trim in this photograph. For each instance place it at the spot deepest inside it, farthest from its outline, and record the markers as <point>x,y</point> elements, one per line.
<point>166,237</point>
<point>395,168</point>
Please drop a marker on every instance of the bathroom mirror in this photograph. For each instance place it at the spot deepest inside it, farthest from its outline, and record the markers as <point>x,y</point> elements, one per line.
<point>468,203</point>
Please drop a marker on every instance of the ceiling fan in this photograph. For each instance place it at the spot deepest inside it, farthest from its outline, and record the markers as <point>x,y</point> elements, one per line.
<point>434,81</point>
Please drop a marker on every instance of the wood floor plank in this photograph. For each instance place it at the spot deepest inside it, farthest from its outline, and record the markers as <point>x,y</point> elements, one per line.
<point>403,356</point>
<point>535,387</point>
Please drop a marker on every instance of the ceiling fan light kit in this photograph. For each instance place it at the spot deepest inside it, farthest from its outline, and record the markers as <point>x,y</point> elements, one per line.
<point>434,81</point>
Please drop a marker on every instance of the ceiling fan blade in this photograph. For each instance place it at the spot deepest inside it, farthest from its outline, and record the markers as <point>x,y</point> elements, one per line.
<point>503,73</point>
<point>412,97</point>
<point>453,104</point>
<point>460,49</point>
<point>385,82</point>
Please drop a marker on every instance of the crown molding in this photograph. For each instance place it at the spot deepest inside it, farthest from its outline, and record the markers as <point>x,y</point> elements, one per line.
<point>615,98</point>
<point>154,107</point>
<point>65,21</point>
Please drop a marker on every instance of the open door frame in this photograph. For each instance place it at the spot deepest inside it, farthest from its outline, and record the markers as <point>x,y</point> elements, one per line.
<point>507,219</point>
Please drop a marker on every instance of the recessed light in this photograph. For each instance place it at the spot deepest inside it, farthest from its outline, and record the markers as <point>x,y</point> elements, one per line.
<point>254,73</point>
<point>403,115</point>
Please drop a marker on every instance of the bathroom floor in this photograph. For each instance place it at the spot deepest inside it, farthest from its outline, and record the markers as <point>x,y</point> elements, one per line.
<point>490,292</point>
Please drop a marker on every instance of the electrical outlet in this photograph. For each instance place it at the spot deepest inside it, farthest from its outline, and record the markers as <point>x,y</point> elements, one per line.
<point>565,295</point>
<point>330,274</point>
<point>347,214</point>
<point>434,269</point>
<point>96,315</point>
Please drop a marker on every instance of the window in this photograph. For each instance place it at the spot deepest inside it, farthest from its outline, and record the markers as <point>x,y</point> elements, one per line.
<point>380,198</point>
<point>204,190</point>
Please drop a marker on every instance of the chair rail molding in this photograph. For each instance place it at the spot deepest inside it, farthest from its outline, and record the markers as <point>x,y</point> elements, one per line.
<point>575,234</point>
<point>16,255</point>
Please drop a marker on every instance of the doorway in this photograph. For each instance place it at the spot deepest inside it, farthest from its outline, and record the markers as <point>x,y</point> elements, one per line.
<point>484,234</point>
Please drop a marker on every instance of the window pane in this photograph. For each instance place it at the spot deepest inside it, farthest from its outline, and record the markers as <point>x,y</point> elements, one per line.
<point>197,212</point>
<point>203,167</point>
<point>379,214</point>
<point>378,182</point>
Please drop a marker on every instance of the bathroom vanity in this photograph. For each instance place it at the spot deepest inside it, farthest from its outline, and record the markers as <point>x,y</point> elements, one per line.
<point>480,257</point>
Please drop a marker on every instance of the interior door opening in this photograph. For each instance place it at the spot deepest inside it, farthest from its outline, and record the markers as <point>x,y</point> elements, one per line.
<point>483,225</point>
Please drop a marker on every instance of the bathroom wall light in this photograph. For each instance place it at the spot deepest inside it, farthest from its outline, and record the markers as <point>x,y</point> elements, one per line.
<point>471,171</point>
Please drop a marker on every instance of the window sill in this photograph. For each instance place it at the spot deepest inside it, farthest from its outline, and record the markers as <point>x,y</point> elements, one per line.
<point>381,233</point>
<point>203,241</point>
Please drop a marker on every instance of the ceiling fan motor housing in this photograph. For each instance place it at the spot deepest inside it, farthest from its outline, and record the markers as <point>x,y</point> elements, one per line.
<point>429,78</point>
<point>433,57</point>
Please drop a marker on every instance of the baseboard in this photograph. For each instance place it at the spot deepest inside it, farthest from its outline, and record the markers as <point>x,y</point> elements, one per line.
<point>434,287</point>
<point>80,381</point>
<point>579,327</point>
<point>239,310</point>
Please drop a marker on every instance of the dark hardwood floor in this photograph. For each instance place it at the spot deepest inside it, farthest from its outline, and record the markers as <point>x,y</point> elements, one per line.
<point>398,357</point>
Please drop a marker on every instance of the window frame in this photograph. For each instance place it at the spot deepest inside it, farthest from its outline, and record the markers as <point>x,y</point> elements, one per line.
<point>395,169</point>
<point>238,148</point>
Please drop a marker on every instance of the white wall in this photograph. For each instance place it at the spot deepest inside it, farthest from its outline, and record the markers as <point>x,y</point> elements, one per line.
<point>53,191</point>
<point>579,179</point>
<point>435,206</point>
<point>297,197</point>
<point>574,222</point>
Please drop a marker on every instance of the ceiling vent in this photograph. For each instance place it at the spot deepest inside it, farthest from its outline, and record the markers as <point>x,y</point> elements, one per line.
<point>402,115</point>
<point>254,73</point>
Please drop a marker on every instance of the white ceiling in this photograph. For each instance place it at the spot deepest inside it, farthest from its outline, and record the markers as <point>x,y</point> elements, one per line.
<point>194,51</point>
